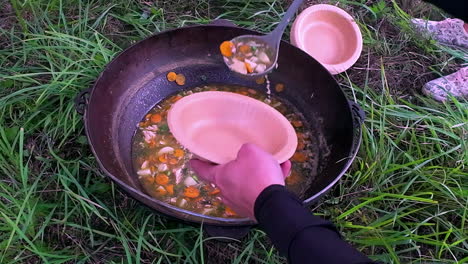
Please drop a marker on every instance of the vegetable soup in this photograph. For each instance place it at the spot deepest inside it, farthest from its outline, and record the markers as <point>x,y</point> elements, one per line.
<point>246,56</point>
<point>161,163</point>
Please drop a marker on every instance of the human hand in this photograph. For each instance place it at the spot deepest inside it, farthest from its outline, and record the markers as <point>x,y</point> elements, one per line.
<point>242,180</point>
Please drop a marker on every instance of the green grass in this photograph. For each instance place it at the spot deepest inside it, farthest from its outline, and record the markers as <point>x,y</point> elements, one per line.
<point>405,199</point>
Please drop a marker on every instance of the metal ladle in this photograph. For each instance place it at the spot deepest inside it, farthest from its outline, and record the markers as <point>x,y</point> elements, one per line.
<point>272,39</point>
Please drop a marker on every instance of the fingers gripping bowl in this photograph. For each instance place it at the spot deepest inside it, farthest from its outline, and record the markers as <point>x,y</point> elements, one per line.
<point>135,81</point>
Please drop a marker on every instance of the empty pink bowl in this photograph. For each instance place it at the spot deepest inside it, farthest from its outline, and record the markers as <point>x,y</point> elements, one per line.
<point>328,34</point>
<point>214,125</point>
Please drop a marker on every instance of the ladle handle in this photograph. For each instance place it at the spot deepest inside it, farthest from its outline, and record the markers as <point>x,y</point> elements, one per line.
<point>275,35</point>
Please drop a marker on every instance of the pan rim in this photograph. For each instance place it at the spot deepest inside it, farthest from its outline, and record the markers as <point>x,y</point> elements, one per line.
<point>174,211</point>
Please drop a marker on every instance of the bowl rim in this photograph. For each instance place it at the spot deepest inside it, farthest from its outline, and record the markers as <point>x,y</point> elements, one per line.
<point>334,68</point>
<point>283,154</point>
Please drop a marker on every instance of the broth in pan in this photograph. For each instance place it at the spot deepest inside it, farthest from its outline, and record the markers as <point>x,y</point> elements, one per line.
<point>161,163</point>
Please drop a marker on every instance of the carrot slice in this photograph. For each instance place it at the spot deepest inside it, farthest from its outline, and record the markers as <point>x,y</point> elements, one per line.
<point>226,48</point>
<point>156,118</point>
<point>173,161</point>
<point>170,189</point>
<point>191,192</point>
<point>245,49</point>
<point>279,87</point>
<point>180,79</point>
<point>229,212</point>
<point>163,158</point>
<point>171,76</point>
<point>215,191</point>
<point>299,157</point>
<point>179,153</point>
<point>162,179</point>
<point>152,143</point>
<point>248,67</point>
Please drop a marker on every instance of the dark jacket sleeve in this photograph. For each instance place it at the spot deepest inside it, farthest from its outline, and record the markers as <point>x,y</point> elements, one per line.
<point>299,235</point>
<point>457,8</point>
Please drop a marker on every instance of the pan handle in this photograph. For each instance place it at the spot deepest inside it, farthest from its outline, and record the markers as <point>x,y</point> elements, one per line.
<point>358,114</point>
<point>222,22</point>
<point>359,117</point>
<point>81,101</point>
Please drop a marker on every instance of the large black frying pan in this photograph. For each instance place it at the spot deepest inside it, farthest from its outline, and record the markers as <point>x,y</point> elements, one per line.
<point>135,81</point>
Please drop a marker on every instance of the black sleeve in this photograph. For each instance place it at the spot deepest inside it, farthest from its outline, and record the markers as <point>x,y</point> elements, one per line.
<point>457,8</point>
<point>299,235</point>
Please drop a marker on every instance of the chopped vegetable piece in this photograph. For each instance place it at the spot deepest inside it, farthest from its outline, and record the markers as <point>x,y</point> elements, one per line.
<point>245,49</point>
<point>163,158</point>
<point>164,128</point>
<point>162,167</point>
<point>189,181</point>
<point>299,157</point>
<point>166,150</point>
<point>264,58</point>
<point>170,189</point>
<point>243,92</point>
<point>229,212</point>
<point>144,172</point>
<point>248,67</point>
<point>226,48</point>
<point>179,153</point>
<point>238,66</point>
<point>171,76</point>
<point>279,87</point>
<point>161,191</point>
<point>215,191</point>
<point>180,79</point>
<point>156,118</point>
<point>152,143</point>
<point>175,98</point>
<point>173,161</point>
<point>297,123</point>
<point>181,203</point>
<point>162,179</point>
<point>191,192</point>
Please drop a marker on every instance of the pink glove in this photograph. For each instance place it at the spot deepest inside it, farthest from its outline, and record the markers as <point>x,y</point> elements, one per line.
<point>242,180</point>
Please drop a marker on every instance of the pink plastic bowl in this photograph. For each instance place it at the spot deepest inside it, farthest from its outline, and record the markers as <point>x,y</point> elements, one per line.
<point>328,34</point>
<point>214,125</point>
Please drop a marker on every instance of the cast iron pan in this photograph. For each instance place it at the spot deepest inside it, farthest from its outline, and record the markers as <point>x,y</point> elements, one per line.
<point>135,81</point>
